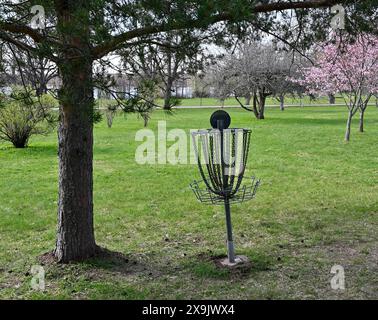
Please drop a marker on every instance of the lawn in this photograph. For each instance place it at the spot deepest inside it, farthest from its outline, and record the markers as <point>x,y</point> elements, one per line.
<point>317,207</point>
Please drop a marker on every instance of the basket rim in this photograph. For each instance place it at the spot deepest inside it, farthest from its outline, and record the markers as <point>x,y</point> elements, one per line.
<point>246,192</point>
<point>206,131</point>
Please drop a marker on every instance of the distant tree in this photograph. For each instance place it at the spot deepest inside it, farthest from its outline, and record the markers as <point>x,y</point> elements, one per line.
<point>38,73</point>
<point>256,71</point>
<point>283,86</point>
<point>165,60</point>
<point>331,98</point>
<point>349,69</point>
<point>110,112</point>
<point>221,81</point>
<point>22,68</point>
<point>144,102</point>
<point>202,85</point>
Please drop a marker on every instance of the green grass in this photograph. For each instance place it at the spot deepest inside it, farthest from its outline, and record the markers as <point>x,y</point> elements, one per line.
<point>317,207</point>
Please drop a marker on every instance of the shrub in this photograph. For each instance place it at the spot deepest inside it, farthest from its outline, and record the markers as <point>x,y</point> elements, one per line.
<point>21,117</point>
<point>48,102</point>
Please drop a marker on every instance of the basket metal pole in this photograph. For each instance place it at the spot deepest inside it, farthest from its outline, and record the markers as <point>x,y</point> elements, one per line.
<point>227,209</point>
<point>230,241</point>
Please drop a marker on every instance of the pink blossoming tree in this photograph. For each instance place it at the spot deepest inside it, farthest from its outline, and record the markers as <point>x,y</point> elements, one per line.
<point>349,69</point>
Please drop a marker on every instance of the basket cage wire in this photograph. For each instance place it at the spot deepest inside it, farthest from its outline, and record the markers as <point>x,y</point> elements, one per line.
<point>222,157</point>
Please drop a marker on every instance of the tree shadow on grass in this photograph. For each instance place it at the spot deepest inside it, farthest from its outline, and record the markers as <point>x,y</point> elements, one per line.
<point>203,266</point>
<point>107,261</point>
<point>48,150</point>
<point>115,261</point>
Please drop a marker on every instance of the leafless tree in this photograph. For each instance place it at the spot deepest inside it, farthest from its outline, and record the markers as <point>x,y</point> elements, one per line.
<point>256,71</point>
<point>21,68</point>
<point>165,60</point>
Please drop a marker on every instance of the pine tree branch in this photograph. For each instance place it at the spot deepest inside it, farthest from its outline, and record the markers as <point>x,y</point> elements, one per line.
<point>116,41</point>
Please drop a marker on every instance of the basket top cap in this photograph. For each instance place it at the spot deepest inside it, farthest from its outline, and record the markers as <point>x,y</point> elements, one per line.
<point>220,120</point>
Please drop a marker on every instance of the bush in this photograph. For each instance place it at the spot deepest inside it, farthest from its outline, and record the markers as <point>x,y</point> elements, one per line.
<point>21,117</point>
<point>48,102</point>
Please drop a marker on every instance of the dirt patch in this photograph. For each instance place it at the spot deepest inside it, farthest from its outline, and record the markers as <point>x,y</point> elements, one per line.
<point>47,259</point>
<point>237,271</point>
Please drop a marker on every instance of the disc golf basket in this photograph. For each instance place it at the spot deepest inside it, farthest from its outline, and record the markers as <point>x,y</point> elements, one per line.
<point>222,155</point>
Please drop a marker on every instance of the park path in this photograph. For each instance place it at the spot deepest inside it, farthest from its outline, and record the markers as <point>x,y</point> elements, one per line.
<point>269,106</point>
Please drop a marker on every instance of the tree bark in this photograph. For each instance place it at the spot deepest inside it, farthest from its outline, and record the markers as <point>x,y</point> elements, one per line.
<point>362,115</point>
<point>331,99</point>
<point>248,99</point>
<point>169,84</point>
<point>282,102</point>
<point>168,96</point>
<point>75,237</point>
<point>349,123</point>
<point>262,99</point>
<point>254,107</point>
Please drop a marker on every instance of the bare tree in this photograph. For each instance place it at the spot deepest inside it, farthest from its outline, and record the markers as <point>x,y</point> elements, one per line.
<point>165,60</point>
<point>256,71</point>
<point>219,79</point>
<point>21,68</point>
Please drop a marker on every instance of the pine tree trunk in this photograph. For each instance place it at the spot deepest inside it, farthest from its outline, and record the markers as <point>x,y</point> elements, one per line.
<point>349,123</point>
<point>75,238</point>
